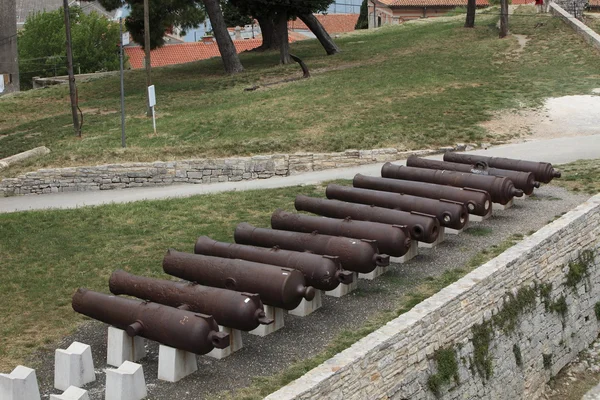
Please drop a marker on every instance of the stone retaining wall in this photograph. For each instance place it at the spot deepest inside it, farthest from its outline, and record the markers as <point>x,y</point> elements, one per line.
<point>160,173</point>
<point>500,332</point>
<point>590,36</point>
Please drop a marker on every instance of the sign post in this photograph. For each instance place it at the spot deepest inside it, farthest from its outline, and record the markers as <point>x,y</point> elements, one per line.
<point>124,41</point>
<point>152,103</point>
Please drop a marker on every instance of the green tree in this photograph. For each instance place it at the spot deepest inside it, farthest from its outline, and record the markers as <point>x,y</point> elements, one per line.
<point>233,16</point>
<point>42,44</point>
<point>363,22</point>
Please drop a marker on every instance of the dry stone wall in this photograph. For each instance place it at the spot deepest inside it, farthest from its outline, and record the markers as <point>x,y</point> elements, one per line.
<point>160,173</point>
<point>500,332</point>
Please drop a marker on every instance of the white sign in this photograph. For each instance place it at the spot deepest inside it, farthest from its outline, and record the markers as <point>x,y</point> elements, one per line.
<point>1,83</point>
<point>151,96</point>
<point>125,39</point>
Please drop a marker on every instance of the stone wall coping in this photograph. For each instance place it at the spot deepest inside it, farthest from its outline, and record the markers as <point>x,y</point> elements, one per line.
<point>402,324</point>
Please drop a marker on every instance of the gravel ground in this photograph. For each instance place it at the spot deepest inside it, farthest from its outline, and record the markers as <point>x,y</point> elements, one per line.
<point>304,337</point>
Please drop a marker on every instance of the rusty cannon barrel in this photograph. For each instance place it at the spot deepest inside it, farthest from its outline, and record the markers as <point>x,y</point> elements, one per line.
<point>358,255</point>
<point>543,171</point>
<point>422,227</point>
<point>241,311</point>
<point>501,189</point>
<point>181,329</point>
<point>322,272</point>
<point>522,180</point>
<point>478,202</point>
<point>278,287</point>
<point>391,239</point>
<point>451,214</point>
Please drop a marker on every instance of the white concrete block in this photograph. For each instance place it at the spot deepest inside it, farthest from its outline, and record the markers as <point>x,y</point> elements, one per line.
<point>342,289</point>
<point>235,343</point>
<point>73,366</point>
<point>410,254</point>
<point>479,218</point>
<point>126,382</point>
<point>276,314</point>
<point>121,347</point>
<point>175,364</point>
<point>450,231</point>
<point>498,206</point>
<point>308,307</point>
<point>20,384</point>
<point>374,274</point>
<point>72,393</point>
<point>441,237</point>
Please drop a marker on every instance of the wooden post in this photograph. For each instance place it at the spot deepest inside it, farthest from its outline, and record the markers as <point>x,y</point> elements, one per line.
<point>147,51</point>
<point>72,88</point>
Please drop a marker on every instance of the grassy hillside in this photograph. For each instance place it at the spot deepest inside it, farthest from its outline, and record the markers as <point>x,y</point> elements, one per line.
<point>412,86</point>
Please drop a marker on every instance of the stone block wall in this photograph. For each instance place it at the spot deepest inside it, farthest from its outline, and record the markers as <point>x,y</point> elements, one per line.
<point>160,173</point>
<point>500,332</point>
<point>559,10</point>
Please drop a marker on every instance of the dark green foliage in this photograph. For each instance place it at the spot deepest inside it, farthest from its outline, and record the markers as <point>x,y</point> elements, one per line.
<point>363,18</point>
<point>547,358</point>
<point>447,367</point>
<point>545,289</point>
<point>559,306</point>
<point>233,16</point>
<point>42,44</point>
<point>597,310</point>
<point>482,337</point>
<point>579,269</point>
<point>518,357</point>
<point>164,15</point>
<point>507,318</point>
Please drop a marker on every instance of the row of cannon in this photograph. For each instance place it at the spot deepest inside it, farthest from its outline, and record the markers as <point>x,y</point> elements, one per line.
<point>354,230</point>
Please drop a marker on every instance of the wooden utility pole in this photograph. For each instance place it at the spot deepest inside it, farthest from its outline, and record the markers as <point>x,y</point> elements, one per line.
<point>72,88</point>
<point>503,18</point>
<point>9,59</point>
<point>147,51</point>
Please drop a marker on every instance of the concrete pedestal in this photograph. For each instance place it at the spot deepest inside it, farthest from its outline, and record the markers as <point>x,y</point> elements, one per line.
<point>450,231</point>
<point>276,314</point>
<point>73,366</point>
<point>524,197</point>
<point>20,384</point>
<point>410,254</point>
<point>342,289</point>
<point>373,274</point>
<point>175,364</point>
<point>479,218</point>
<point>121,347</point>
<point>126,382</point>
<point>235,343</point>
<point>498,206</point>
<point>441,237</point>
<point>72,393</point>
<point>308,307</point>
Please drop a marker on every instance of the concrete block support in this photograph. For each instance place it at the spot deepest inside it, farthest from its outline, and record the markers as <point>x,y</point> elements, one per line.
<point>20,384</point>
<point>175,364</point>
<point>479,218</point>
<point>73,366</point>
<point>441,237</point>
<point>308,307</point>
<point>450,231</point>
<point>126,382</point>
<point>235,343</point>
<point>72,393</point>
<point>274,313</point>
<point>410,254</point>
<point>374,274</point>
<point>121,347</point>
<point>498,206</point>
<point>342,289</point>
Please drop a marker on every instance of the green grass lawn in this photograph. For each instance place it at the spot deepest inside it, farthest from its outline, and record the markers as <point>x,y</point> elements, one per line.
<point>580,176</point>
<point>408,86</point>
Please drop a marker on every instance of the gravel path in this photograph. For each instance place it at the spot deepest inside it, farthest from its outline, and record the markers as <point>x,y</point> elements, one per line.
<point>305,337</point>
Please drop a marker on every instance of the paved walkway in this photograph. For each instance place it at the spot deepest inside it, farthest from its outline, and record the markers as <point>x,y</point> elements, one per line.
<point>556,151</point>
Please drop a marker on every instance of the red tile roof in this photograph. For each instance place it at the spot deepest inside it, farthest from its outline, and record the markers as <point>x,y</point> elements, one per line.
<point>333,23</point>
<point>181,53</point>
<point>594,3</point>
<point>430,3</point>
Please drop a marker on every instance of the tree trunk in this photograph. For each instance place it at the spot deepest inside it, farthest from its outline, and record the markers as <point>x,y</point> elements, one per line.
<point>269,39</point>
<point>503,18</point>
<point>315,27</point>
<point>471,7</point>
<point>231,60</point>
<point>8,46</point>
<point>281,29</point>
